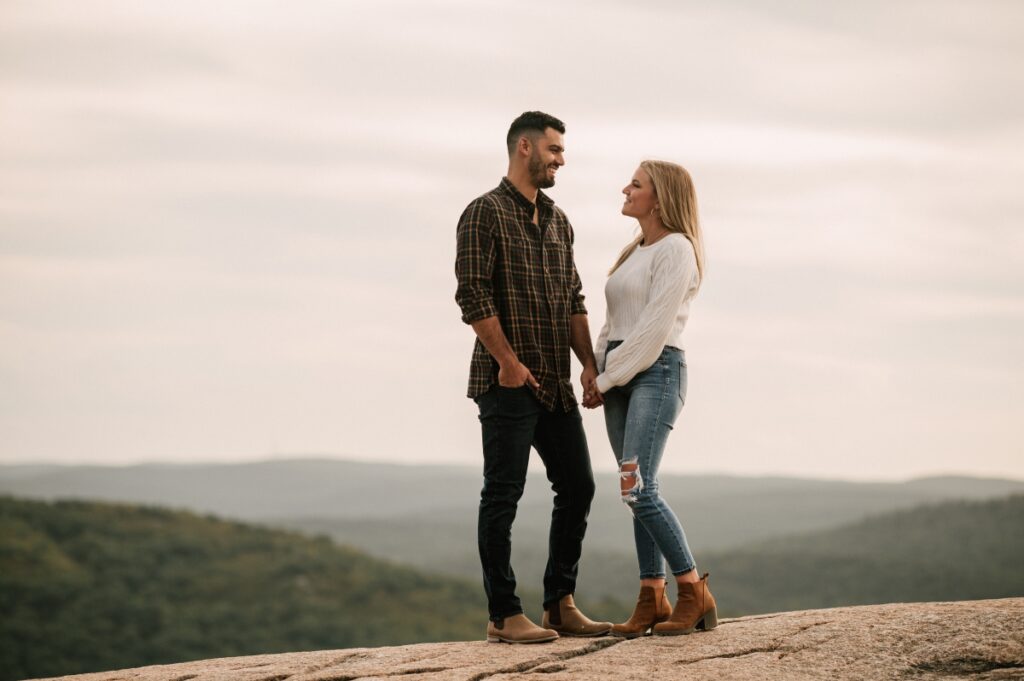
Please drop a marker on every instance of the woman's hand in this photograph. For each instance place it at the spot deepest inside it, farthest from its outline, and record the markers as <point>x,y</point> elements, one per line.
<point>592,397</point>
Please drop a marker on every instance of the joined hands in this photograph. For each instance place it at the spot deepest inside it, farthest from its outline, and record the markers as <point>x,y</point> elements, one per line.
<point>592,397</point>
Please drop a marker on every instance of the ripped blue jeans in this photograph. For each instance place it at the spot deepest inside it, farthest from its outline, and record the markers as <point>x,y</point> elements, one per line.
<point>639,417</point>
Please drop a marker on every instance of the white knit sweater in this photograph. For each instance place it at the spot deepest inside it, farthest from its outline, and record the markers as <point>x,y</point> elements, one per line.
<point>648,300</point>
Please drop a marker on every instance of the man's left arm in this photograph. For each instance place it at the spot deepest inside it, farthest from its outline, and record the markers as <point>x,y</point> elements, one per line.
<point>579,341</point>
<point>579,335</point>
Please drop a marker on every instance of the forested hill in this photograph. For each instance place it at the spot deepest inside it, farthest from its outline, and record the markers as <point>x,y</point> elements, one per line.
<point>952,551</point>
<point>89,586</point>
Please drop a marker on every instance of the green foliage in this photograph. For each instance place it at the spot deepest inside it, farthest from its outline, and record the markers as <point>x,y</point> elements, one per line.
<point>88,586</point>
<point>962,550</point>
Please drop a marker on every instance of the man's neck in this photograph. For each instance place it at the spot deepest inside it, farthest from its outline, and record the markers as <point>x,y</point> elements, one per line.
<point>521,181</point>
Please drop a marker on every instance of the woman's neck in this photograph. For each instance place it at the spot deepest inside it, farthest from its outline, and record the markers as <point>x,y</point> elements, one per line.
<point>652,229</point>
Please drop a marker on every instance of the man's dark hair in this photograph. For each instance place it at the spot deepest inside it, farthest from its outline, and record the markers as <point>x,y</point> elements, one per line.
<point>531,121</point>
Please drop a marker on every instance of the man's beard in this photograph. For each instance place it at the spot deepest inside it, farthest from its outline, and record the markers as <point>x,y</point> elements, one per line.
<point>539,173</point>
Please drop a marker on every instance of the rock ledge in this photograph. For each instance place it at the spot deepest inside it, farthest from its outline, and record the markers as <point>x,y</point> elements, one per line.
<point>980,640</point>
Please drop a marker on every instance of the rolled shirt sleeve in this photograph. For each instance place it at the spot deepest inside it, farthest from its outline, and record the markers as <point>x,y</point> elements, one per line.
<point>474,262</point>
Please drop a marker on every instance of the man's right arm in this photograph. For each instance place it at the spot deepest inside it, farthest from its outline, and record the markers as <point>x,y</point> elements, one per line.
<point>474,269</point>
<point>511,372</point>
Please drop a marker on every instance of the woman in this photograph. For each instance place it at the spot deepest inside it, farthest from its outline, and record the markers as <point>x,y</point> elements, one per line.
<point>643,385</point>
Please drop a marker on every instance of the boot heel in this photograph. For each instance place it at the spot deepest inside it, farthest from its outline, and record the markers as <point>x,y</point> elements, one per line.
<point>710,620</point>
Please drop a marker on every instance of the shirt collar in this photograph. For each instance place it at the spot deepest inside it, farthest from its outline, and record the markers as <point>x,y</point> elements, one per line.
<point>542,198</point>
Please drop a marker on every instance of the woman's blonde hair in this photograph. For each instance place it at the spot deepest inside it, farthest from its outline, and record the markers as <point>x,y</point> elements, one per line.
<point>677,202</point>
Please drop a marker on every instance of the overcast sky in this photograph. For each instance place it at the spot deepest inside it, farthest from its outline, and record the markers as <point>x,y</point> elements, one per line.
<point>227,229</point>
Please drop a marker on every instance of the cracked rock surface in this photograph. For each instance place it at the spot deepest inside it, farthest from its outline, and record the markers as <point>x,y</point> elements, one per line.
<point>980,640</point>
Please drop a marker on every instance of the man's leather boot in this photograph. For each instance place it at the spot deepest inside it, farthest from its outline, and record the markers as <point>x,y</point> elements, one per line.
<point>695,610</point>
<point>652,607</point>
<point>518,629</point>
<point>564,617</point>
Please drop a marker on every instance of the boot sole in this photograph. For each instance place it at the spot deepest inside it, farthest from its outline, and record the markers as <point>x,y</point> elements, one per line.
<point>629,637</point>
<point>499,639</point>
<point>622,634</point>
<point>707,622</point>
<point>570,634</point>
<point>646,632</point>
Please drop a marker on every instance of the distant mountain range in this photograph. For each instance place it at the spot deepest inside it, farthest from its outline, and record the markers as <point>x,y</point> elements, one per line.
<point>426,515</point>
<point>345,498</point>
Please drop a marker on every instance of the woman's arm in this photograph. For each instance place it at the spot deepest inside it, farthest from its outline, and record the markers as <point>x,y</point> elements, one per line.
<point>601,344</point>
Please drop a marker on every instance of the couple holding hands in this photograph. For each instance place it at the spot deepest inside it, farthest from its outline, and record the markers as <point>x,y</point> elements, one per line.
<point>519,289</point>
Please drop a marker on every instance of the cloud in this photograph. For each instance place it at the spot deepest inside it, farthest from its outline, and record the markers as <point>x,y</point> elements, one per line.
<point>227,225</point>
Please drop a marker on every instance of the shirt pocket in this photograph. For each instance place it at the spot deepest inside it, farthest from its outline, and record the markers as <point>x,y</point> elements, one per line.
<point>516,251</point>
<point>558,268</point>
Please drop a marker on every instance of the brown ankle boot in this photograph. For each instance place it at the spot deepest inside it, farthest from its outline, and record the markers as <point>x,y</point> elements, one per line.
<point>518,629</point>
<point>694,610</point>
<point>564,617</point>
<point>651,607</point>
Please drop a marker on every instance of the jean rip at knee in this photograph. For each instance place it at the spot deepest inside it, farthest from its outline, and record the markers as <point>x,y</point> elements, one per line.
<point>631,484</point>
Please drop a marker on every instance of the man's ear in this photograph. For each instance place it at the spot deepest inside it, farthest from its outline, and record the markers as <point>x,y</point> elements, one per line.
<point>524,145</point>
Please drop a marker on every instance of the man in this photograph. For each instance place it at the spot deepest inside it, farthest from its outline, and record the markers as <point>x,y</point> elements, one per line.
<point>519,289</point>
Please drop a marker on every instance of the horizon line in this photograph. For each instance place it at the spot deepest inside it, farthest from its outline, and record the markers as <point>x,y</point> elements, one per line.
<point>340,459</point>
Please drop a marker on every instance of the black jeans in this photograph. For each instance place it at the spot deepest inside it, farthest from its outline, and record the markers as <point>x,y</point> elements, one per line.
<point>513,421</point>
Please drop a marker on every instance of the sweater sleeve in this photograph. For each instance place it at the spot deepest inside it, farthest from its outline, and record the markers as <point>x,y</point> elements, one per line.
<point>672,273</point>
<point>601,344</point>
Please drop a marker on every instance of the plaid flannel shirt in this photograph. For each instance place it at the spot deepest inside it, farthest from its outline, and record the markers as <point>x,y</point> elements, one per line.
<point>525,274</point>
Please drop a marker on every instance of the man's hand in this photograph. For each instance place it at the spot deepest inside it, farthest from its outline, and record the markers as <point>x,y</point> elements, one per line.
<point>516,375</point>
<point>579,340</point>
<point>511,372</point>
<point>592,397</point>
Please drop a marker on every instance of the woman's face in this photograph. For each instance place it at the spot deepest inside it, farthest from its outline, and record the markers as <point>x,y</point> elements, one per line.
<point>640,197</point>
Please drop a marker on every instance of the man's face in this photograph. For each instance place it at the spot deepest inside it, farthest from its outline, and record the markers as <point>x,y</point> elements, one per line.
<point>546,158</point>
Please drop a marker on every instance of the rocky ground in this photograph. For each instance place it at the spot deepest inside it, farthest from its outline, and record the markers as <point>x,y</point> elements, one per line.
<point>970,640</point>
